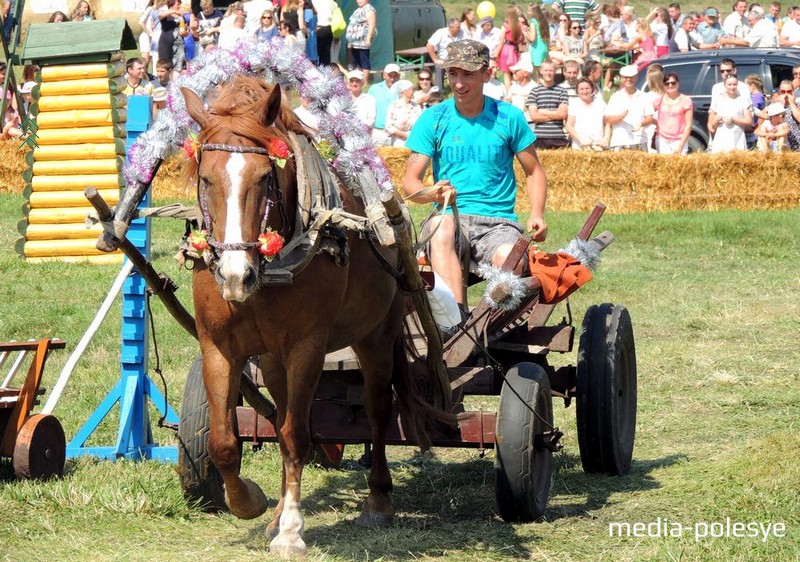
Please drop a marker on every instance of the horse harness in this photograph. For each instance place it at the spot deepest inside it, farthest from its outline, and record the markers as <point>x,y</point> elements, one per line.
<point>321,223</point>
<point>272,186</point>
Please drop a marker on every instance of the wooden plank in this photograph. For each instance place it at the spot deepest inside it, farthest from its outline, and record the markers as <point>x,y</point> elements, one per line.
<point>82,71</point>
<point>85,151</point>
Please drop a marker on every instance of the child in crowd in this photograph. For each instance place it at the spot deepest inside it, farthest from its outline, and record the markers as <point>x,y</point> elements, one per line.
<point>772,132</point>
<point>435,97</point>
<point>163,73</point>
<point>756,86</point>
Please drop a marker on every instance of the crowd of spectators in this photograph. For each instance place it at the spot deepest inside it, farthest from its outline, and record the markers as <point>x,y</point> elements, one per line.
<point>571,66</point>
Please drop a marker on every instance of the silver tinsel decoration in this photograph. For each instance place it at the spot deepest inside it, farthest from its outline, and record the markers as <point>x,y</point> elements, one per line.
<point>583,251</point>
<point>495,277</point>
<point>274,62</point>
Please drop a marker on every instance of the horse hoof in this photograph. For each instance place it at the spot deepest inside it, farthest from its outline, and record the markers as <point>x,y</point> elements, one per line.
<point>271,531</point>
<point>256,503</point>
<point>370,520</point>
<point>288,545</point>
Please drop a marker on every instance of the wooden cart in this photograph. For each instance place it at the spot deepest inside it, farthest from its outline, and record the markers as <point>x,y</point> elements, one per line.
<point>496,353</point>
<point>35,443</point>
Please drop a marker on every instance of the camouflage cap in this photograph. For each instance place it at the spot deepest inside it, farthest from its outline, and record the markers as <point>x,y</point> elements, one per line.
<point>467,54</point>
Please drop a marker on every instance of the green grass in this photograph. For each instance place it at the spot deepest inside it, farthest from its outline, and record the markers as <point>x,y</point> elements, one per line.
<point>713,297</point>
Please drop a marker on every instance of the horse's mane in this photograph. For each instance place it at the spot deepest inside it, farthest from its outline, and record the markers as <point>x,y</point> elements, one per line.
<point>240,108</point>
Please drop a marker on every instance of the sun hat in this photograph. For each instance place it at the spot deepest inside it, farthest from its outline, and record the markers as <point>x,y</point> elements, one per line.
<point>524,63</point>
<point>357,74</point>
<point>629,71</point>
<point>401,86</point>
<point>775,109</point>
<point>160,94</point>
<point>390,68</point>
<point>712,12</point>
<point>485,20</point>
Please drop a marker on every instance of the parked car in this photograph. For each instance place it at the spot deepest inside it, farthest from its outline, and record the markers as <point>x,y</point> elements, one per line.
<point>698,71</point>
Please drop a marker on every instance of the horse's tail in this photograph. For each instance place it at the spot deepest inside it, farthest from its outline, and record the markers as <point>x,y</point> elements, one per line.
<point>414,391</point>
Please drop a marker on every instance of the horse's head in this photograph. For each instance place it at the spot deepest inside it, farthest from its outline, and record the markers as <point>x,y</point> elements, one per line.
<point>242,192</point>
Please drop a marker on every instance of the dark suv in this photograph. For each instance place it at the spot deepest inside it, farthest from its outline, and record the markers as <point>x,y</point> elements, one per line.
<point>698,71</point>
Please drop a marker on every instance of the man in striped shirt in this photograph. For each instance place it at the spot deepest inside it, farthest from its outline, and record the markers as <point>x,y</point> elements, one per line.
<point>547,107</point>
<point>576,9</point>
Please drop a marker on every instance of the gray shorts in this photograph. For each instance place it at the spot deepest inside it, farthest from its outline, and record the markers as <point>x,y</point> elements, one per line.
<point>485,235</point>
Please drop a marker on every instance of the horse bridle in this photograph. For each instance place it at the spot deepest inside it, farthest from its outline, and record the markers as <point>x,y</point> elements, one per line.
<point>273,186</point>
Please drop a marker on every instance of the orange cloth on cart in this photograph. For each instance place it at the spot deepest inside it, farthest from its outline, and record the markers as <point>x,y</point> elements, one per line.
<point>560,275</point>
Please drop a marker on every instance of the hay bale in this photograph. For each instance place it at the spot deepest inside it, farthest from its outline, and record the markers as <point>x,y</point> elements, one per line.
<point>627,182</point>
<point>12,165</point>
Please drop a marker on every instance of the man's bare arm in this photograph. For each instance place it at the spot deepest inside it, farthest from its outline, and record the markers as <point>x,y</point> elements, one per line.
<point>536,188</point>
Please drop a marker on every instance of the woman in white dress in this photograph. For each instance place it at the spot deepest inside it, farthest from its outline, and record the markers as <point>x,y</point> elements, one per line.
<point>586,121</point>
<point>729,115</point>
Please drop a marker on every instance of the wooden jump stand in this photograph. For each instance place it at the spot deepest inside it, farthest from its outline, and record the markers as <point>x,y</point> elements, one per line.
<point>97,48</point>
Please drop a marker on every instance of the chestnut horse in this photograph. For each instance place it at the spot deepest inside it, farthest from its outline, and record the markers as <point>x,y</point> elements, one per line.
<point>291,328</point>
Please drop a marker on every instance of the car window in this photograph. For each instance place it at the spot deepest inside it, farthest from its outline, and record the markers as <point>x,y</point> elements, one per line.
<point>779,72</point>
<point>745,70</point>
<point>687,74</point>
<point>713,75</point>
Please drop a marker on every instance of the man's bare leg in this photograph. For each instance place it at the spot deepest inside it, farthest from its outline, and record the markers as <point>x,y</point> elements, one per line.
<point>501,254</point>
<point>444,259</point>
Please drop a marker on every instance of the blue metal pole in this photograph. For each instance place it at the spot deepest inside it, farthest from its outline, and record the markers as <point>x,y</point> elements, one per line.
<point>134,436</point>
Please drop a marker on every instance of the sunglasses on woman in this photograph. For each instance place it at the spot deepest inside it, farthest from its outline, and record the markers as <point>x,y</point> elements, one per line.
<point>671,83</point>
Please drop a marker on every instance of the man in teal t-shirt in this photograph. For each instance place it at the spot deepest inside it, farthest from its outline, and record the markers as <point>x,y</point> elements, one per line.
<point>472,141</point>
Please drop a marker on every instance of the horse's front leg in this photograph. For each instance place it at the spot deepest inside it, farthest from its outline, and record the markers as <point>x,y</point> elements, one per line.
<point>221,377</point>
<point>303,370</point>
<point>274,375</point>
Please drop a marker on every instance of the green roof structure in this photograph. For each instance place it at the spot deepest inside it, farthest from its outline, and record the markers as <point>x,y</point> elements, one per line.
<point>76,42</point>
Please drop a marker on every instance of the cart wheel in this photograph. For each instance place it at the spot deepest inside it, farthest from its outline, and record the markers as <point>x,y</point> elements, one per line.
<point>523,466</point>
<point>606,390</point>
<point>201,482</point>
<point>41,448</point>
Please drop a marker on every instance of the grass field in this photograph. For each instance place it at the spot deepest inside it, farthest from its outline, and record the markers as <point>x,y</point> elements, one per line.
<point>713,297</point>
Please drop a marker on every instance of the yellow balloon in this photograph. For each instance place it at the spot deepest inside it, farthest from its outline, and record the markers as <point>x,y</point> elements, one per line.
<point>485,10</point>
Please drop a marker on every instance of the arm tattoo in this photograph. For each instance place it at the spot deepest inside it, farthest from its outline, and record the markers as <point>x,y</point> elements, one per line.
<point>414,157</point>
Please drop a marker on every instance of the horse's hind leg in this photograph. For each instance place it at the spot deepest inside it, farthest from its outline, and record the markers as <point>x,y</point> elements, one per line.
<point>375,357</point>
<point>221,378</point>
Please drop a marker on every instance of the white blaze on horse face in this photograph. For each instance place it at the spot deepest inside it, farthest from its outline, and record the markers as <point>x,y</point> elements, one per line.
<point>233,263</point>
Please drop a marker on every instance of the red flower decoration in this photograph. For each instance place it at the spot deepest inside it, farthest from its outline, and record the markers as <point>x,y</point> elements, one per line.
<point>278,149</point>
<point>271,243</point>
<point>191,146</point>
<point>199,241</point>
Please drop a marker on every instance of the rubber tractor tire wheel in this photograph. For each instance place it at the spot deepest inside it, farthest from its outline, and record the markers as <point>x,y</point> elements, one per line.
<point>606,390</point>
<point>201,482</point>
<point>41,448</point>
<point>523,472</point>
